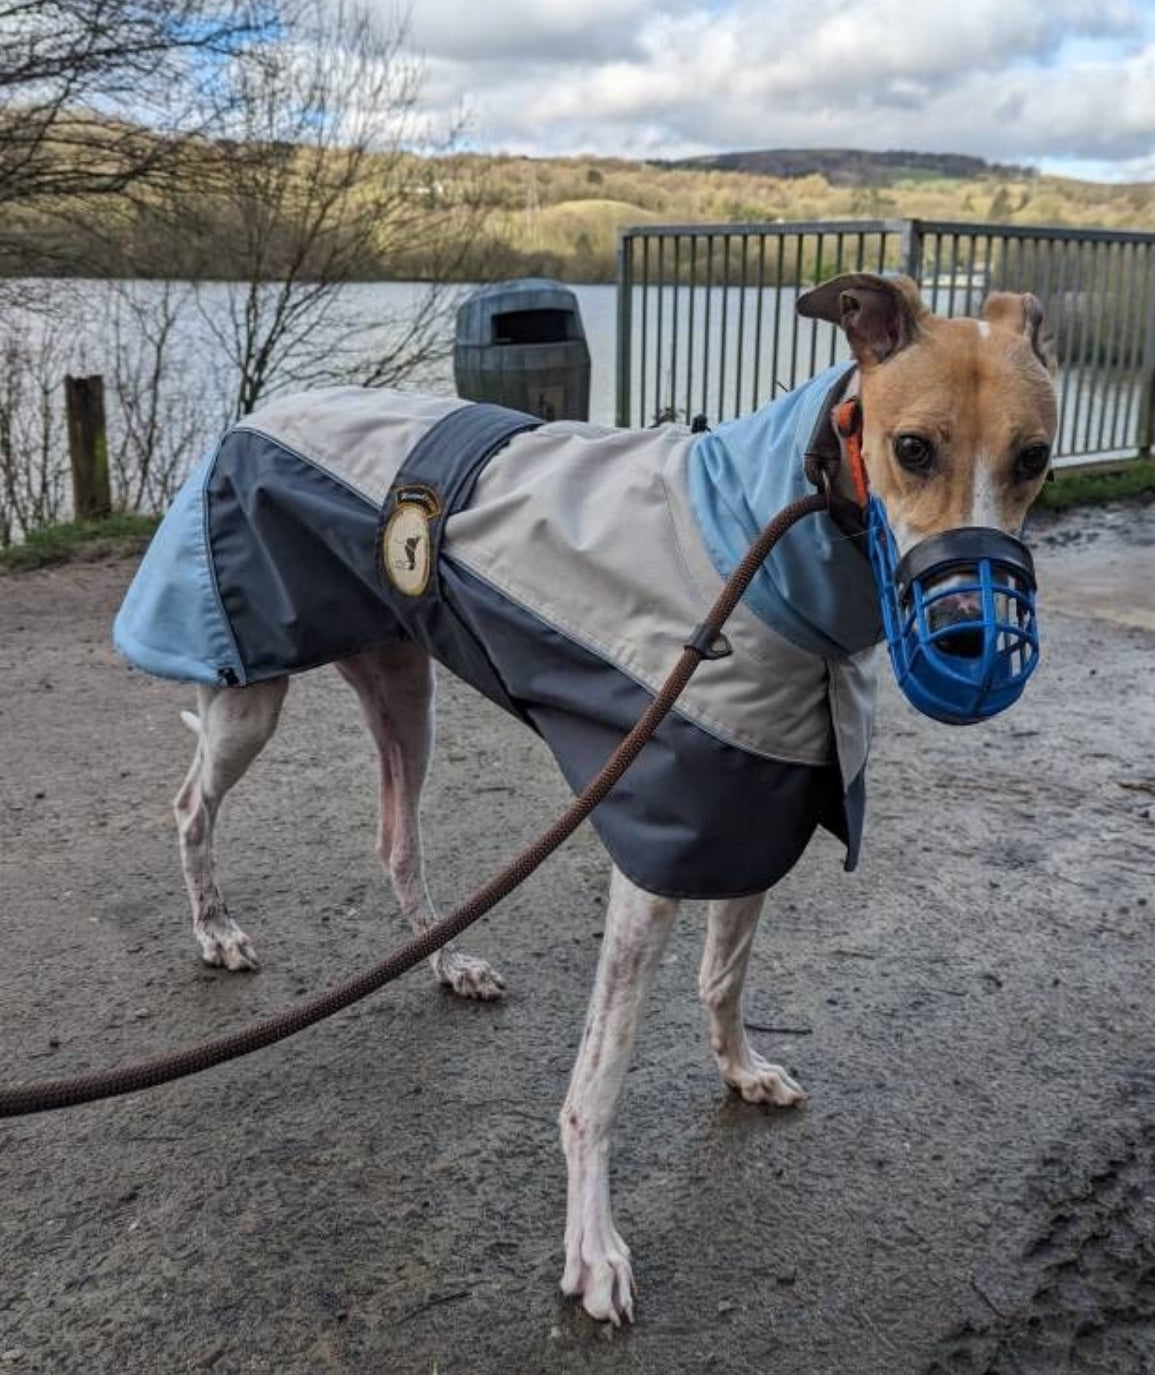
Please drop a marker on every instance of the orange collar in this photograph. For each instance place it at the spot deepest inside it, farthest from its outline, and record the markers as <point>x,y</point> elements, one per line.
<point>848,423</point>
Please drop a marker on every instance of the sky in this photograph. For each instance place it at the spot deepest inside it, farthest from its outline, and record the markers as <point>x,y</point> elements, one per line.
<point>1064,85</point>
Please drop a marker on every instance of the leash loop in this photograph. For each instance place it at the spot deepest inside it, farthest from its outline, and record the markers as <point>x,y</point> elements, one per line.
<point>708,644</point>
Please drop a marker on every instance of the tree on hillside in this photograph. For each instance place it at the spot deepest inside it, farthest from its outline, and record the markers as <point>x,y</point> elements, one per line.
<point>95,94</point>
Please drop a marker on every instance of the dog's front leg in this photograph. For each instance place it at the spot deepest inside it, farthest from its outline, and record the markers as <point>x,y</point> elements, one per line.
<point>731,925</point>
<point>597,1260</point>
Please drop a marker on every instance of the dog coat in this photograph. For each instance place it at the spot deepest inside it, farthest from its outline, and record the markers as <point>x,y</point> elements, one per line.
<point>559,568</point>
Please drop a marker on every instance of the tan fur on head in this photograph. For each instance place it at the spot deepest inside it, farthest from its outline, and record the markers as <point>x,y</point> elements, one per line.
<point>1022,314</point>
<point>977,394</point>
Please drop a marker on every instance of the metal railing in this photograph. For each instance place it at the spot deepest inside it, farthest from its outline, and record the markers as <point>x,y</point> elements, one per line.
<point>707,326</point>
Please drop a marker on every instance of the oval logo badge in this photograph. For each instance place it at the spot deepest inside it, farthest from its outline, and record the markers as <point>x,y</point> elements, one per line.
<point>405,548</point>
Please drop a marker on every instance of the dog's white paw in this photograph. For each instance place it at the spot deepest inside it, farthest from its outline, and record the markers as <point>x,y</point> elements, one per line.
<point>597,1270</point>
<point>223,943</point>
<point>758,1081</point>
<point>467,976</point>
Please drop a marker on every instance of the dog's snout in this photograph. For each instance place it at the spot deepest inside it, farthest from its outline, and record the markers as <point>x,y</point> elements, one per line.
<point>962,614</point>
<point>960,606</point>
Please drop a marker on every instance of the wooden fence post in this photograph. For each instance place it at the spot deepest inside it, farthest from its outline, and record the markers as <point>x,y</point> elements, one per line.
<point>88,447</point>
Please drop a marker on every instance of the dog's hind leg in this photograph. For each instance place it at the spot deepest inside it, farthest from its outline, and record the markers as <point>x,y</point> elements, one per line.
<point>730,929</point>
<point>597,1260</point>
<point>232,726</point>
<point>395,687</point>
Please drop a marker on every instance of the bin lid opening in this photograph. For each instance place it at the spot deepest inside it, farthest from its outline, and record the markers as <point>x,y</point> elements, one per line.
<point>533,327</point>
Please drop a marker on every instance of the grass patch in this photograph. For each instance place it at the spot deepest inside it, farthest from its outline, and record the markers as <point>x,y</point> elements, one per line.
<point>1133,478</point>
<point>116,535</point>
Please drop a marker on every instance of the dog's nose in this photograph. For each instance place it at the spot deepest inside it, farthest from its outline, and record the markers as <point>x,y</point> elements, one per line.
<point>963,614</point>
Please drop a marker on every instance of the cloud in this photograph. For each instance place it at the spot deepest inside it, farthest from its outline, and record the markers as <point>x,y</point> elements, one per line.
<point>1008,79</point>
<point>541,31</point>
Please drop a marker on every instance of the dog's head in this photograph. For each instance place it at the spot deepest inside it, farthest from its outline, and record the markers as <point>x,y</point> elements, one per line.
<point>958,416</point>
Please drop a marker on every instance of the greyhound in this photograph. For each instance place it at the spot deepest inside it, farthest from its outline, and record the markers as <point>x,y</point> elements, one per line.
<point>957,421</point>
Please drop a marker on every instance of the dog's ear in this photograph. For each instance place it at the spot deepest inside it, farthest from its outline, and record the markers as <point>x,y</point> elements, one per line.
<point>879,315</point>
<point>1025,315</point>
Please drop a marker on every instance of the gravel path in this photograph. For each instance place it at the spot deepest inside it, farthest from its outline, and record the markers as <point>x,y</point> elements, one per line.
<point>971,1188</point>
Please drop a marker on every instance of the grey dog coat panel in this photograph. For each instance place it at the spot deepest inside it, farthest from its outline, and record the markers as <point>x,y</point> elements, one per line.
<point>568,572</point>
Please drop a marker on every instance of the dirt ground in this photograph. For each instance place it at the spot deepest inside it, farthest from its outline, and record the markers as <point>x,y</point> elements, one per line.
<point>970,1189</point>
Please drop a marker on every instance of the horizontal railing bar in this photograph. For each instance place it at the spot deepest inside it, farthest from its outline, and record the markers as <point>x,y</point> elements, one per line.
<point>971,228</point>
<point>1028,231</point>
<point>1117,460</point>
<point>770,230</point>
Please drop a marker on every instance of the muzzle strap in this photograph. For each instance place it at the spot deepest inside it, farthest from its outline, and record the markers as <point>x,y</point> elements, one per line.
<point>840,437</point>
<point>848,423</point>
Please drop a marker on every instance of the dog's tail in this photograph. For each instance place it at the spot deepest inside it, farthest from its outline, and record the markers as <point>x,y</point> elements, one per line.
<point>192,721</point>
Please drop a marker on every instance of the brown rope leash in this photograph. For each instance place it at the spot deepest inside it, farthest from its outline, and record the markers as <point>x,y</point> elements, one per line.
<point>87,1088</point>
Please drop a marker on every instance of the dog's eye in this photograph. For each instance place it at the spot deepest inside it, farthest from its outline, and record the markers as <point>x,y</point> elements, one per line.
<point>1032,461</point>
<point>914,452</point>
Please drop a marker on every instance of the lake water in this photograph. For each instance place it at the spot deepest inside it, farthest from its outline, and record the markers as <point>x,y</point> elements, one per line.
<point>718,353</point>
<point>715,353</point>
<point>376,311</point>
<point>160,418</point>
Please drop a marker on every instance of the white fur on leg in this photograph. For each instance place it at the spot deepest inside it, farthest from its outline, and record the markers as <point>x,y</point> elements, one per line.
<point>394,685</point>
<point>731,925</point>
<point>597,1260</point>
<point>222,941</point>
<point>232,727</point>
<point>466,975</point>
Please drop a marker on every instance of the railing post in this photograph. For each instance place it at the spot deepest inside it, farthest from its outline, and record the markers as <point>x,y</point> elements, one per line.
<point>625,327</point>
<point>88,447</point>
<point>1147,387</point>
<point>910,248</point>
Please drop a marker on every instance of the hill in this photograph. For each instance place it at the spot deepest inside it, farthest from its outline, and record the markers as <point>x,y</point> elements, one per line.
<point>561,217</point>
<point>856,166</point>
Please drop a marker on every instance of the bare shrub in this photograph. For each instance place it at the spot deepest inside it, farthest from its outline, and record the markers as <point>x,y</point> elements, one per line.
<point>33,443</point>
<point>158,419</point>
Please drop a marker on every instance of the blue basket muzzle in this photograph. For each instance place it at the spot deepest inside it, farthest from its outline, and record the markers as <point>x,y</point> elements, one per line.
<point>959,615</point>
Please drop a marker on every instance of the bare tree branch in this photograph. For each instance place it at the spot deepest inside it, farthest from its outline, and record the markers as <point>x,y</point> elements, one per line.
<point>97,94</point>
<point>318,186</point>
<point>236,259</point>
